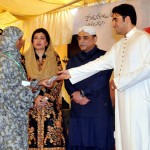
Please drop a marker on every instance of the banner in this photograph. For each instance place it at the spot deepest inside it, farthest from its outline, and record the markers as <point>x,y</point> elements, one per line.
<point>99,16</point>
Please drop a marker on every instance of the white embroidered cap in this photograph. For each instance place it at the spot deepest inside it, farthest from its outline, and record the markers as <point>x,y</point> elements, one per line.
<point>88,29</point>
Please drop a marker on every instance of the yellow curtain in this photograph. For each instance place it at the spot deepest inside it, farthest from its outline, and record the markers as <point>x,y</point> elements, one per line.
<point>59,25</point>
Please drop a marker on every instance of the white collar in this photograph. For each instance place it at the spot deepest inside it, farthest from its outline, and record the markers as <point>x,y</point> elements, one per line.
<point>131,32</point>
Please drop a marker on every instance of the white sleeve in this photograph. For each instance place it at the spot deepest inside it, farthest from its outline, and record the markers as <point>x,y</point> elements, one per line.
<point>104,62</point>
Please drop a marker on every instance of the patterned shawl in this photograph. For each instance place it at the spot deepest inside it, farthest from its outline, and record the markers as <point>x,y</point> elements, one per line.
<point>49,68</point>
<point>8,45</point>
<point>8,42</point>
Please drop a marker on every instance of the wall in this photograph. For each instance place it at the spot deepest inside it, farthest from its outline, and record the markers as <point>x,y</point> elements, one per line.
<point>99,16</point>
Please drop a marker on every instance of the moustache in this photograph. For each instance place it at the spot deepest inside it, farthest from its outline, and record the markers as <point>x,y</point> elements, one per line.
<point>82,45</point>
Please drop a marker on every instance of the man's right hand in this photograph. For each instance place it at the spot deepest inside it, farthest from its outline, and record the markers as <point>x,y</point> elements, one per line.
<point>64,74</point>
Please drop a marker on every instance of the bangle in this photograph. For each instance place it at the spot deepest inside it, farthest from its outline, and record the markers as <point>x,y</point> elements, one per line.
<point>82,93</point>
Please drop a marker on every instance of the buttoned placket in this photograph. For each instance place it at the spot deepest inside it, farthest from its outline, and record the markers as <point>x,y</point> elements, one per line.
<point>122,55</point>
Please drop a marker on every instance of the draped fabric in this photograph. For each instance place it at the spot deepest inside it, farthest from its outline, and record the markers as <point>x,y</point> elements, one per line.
<point>15,99</point>
<point>30,8</point>
<point>46,71</point>
<point>45,123</point>
<point>58,24</point>
<point>8,44</point>
<point>31,14</point>
<point>8,41</point>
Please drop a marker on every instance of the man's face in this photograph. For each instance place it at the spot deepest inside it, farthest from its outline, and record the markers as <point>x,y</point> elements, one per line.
<point>86,42</point>
<point>119,24</point>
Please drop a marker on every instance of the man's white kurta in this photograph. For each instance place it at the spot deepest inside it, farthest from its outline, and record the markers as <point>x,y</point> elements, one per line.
<point>130,58</point>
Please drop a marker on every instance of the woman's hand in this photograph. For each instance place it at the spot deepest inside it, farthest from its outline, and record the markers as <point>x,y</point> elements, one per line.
<point>37,100</point>
<point>34,89</point>
<point>40,101</point>
<point>45,83</point>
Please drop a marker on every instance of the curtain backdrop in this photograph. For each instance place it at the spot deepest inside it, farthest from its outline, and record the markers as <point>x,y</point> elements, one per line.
<point>59,25</point>
<point>99,16</point>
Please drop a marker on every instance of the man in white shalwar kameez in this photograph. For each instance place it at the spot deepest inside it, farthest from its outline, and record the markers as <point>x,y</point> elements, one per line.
<point>130,58</point>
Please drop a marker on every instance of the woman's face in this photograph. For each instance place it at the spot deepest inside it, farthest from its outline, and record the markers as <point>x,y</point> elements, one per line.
<point>39,41</point>
<point>19,43</point>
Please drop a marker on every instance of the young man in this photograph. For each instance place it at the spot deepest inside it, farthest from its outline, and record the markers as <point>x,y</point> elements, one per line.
<point>130,58</point>
<point>91,118</point>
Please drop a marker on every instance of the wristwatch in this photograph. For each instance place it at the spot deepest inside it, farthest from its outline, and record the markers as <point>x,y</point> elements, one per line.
<point>82,93</point>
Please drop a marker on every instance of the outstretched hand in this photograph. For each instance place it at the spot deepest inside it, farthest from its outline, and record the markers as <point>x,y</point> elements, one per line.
<point>64,74</point>
<point>45,83</point>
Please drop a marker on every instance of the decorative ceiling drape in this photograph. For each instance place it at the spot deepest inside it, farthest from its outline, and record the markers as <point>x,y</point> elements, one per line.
<point>31,14</point>
<point>59,25</point>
